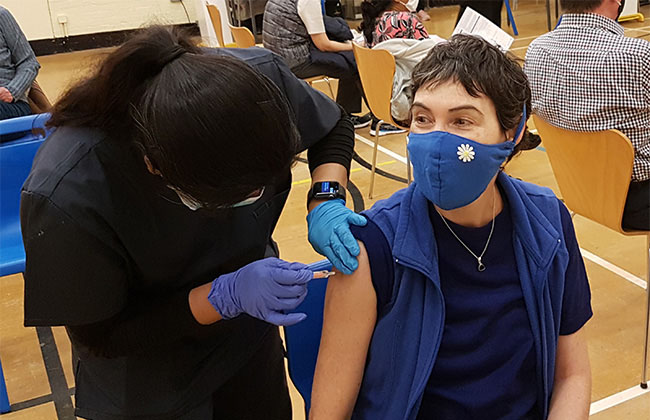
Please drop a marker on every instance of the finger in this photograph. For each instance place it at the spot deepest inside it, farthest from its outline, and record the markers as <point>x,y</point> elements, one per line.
<point>357,219</point>
<point>293,277</point>
<point>278,318</point>
<point>288,304</point>
<point>286,265</point>
<point>336,261</point>
<point>284,292</point>
<point>348,240</point>
<point>342,254</point>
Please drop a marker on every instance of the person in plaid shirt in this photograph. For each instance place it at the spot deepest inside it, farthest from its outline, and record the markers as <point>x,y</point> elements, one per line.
<point>586,75</point>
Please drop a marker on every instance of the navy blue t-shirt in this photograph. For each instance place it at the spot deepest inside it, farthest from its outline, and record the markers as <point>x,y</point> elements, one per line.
<point>485,368</point>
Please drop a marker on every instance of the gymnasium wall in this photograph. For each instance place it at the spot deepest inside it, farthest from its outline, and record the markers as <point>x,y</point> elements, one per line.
<point>47,19</point>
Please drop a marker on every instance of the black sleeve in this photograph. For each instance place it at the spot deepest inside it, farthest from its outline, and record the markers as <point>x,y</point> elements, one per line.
<point>73,278</point>
<point>316,115</point>
<point>148,324</point>
<point>576,302</point>
<point>336,147</point>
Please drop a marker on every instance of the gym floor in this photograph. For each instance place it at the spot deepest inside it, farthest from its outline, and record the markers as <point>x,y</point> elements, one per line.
<point>37,362</point>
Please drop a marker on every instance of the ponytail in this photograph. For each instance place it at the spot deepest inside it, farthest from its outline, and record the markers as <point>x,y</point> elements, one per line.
<point>189,111</point>
<point>104,99</point>
<point>370,11</point>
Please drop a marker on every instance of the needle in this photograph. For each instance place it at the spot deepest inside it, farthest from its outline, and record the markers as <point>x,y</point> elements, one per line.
<point>323,274</point>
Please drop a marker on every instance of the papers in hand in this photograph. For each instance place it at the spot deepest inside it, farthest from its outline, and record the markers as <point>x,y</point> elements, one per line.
<point>473,23</point>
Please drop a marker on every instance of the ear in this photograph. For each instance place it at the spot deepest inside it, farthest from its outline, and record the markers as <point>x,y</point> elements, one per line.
<point>150,166</point>
<point>510,134</point>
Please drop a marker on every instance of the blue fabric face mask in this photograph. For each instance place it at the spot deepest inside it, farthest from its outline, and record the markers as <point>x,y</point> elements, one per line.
<point>453,171</point>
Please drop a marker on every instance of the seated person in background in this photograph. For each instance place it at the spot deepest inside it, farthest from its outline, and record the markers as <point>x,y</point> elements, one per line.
<point>586,75</point>
<point>289,29</point>
<point>389,19</point>
<point>391,25</point>
<point>18,68</point>
<point>471,294</point>
<point>422,14</point>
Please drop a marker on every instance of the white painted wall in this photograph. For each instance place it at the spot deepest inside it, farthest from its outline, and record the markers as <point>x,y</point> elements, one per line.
<point>39,19</point>
<point>33,17</point>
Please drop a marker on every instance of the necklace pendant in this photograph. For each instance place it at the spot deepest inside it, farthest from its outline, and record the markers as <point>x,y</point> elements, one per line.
<point>481,266</point>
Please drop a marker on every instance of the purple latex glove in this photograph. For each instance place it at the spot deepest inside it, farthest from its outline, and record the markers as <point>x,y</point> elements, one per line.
<point>266,289</point>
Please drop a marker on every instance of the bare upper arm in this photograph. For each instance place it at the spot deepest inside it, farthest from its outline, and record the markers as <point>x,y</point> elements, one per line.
<point>572,356</point>
<point>349,320</point>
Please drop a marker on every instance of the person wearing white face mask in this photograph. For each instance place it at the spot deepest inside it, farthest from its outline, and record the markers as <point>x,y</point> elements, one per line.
<point>390,19</point>
<point>471,294</point>
<point>148,218</point>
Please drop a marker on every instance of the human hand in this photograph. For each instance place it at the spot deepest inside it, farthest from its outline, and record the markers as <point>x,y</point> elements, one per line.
<point>5,95</point>
<point>329,234</point>
<point>265,289</point>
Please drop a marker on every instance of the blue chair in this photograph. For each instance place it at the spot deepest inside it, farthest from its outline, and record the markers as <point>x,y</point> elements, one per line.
<point>303,339</point>
<point>16,159</point>
<point>4,398</point>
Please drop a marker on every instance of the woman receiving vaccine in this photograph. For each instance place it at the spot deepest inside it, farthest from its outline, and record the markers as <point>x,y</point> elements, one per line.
<point>471,293</point>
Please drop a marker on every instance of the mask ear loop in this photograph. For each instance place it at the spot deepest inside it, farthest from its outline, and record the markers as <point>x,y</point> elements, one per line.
<point>521,126</point>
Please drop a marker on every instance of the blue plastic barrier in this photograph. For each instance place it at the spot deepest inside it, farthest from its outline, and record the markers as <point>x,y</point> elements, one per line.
<point>16,159</point>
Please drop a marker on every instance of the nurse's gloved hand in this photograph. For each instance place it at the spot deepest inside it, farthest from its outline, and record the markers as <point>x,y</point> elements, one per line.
<point>266,289</point>
<point>329,234</point>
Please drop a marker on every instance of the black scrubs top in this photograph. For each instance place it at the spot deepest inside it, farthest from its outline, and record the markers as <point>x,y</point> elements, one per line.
<point>107,242</point>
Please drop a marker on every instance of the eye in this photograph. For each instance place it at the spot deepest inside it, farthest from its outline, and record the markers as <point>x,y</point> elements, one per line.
<point>462,122</point>
<point>421,119</point>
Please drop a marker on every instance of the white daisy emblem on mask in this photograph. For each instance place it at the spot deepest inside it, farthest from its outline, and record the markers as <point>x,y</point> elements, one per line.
<point>465,153</point>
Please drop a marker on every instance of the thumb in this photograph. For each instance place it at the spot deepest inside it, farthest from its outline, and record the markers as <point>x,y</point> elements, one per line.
<point>278,318</point>
<point>357,219</point>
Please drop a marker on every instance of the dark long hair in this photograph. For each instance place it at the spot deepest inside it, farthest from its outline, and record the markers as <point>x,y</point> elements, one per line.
<point>370,11</point>
<point>212,125</point>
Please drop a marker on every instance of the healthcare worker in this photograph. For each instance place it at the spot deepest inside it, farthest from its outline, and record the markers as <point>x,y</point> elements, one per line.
<point>147,222</point>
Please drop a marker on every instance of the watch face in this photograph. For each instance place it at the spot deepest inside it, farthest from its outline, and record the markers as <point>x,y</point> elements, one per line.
<point>328,187</point>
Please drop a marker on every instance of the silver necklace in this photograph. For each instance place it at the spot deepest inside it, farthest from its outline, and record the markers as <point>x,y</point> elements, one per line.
<point>481,266</point>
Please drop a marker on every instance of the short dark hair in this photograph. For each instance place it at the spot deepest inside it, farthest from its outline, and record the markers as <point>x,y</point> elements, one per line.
<point>215,128</point>
<point>480,68</point>
<point>579,6</point>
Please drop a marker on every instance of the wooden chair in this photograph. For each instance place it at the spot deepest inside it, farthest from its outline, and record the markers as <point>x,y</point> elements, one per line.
<point>242,36</point>
<point>593,171</point>
<point>215,17</point>
<point>37,99</point>
<point>323,78</point>
<point>376,70</point>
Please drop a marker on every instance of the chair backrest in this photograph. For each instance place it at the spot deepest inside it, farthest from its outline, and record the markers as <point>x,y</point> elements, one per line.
<point>38,101</point>
<point>376,70</point>
<point>303,338</point>
<point>215,17</point>
<point>15,163</point>
<point>592,169</point>
<point>242,36</point>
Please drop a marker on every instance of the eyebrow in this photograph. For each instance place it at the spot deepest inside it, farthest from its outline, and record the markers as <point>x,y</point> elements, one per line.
<point>465,107</point>
<point>458,108</point>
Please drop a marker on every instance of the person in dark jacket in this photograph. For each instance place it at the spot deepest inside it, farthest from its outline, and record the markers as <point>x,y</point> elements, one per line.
<point>148,218</point>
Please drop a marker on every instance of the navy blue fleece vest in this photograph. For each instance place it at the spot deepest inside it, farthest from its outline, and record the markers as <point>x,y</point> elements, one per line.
<point>407,336</point>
